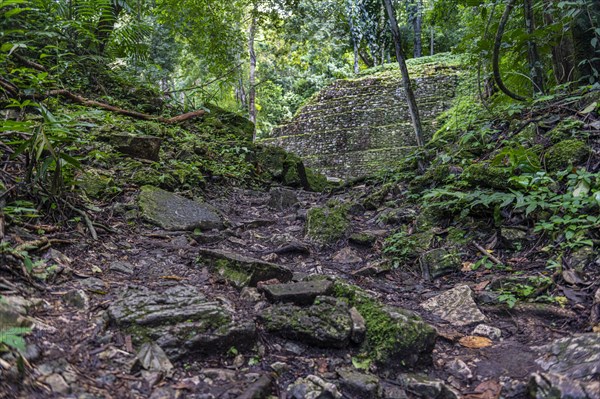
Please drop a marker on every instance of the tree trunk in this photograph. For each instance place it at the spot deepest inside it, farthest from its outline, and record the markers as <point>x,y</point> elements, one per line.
<point>563,52</point>
<point>586,43</point>
<point>355,55</point>
<point>432,41</point>
<point>536,71</point>
<point>417,27</point>
<point>252,78</point>
<point>410,95</point>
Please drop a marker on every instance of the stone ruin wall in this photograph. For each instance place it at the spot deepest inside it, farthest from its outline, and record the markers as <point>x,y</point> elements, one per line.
<point>356,127</point>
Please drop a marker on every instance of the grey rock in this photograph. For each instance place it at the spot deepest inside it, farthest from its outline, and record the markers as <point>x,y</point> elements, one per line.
<point>514,238</point>
<point>94,284</point>
<point>426,388</point>
<point>359,327</point>
<point>571,367</point>
<point>57,384</point>
<point>347,256</point>
<point>313,387</point>
<point>280,367</point>
<point>373,269</point>
<point>365,238</point>
<point>282,198</point>
<point>439,262</point>
<point>77,298</point>
<point>13,312</point>
<point>121,267</point>
<point>459,369</point>
<point>151,357</point>
<point>359,385</point>
<point>455,306</point>
<point>173,212</point>
<point>181,321</point>
<point>137,146</point>
<point>300,293</point>
<point>250,294</point>
<point>581,257</point>
<point>487,331</point>
<point>241,270</point>
<point>326,323</point>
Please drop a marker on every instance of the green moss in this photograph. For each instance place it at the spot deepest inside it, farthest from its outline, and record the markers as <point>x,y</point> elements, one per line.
<point>484,175</point>
<point>97,184</point>
<point>393,335</point>
<point>566,153</point>
<point>456,236</point>
<point>566,129</point>
<point>232,274</point>
<point>316,181</point>
<point>329,223</point>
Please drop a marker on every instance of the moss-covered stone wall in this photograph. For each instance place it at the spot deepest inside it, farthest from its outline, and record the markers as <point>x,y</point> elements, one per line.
<point>357,126</point>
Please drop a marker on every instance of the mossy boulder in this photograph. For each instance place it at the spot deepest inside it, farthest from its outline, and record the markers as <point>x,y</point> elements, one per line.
<point>231,123</point>
<point>396,338</point>
<point>242,271</point>
<point>173,212</point>
<point>182,321</point>
<point>97,184</point>
<point>566,153</point>
<point>439,262</point>
<point>137,146</point>
<point>326,323</point>
<point>566,129</point>
<point>327,224</point>
<point>274,163</point>
<point>485,175</point>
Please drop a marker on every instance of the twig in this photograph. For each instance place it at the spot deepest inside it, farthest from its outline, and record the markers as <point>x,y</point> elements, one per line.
<point>486,253</point>
<point>87,219</point>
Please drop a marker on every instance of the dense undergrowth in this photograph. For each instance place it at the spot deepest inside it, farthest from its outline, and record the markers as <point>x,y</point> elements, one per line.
<point>520,182</point>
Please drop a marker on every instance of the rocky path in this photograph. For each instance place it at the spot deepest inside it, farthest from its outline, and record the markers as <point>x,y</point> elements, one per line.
<point>273,302</point>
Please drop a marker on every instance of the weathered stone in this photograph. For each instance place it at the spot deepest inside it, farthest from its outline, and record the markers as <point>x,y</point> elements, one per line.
<point>57,384</point>
<point>347,256</point>
<point>487,331</point>
<point>327,224</point>
<point>181,321</point>
<point>567,152</point>
<point>300,293</point>
<point>151,357</point>
<point>359,327</point>
<point>456,306</point>
<point>581,257</point>
<point>513,238</point>
<point>359,385</point>
<point>365,238</point>
<point>459,369</point>
<point>357,126</point>
<point>13,311</point>
<point>396,338</point>
<point>439,262</point>
<point>559,386</point>
<point>571,368</point>
<point>425,388</point>
<point>172,212</point>
<point>241,270</point>
<point>373,268</point>
<point>94,284</point>
<point>313,387</point>
<point>326,323</point>
<point>282,198</point>
<point>121,267</point>
<point>137,146</point>
<point>96,184</point>
<point>77,298</point>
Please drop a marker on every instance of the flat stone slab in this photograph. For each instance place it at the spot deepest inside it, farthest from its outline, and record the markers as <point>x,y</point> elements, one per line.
<point>571,368</point>
<point>137,146</point>
<point>456,306</point>
<point>326,323</point>
<point>181,321</point>
<point>301,293</point>
<point>242,271</point>
<point>173,212</point>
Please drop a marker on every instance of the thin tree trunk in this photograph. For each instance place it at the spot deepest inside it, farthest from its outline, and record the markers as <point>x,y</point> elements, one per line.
<point>410,95</point>
<point>496,53</point>
<point>563,52</point>
<point>432,41</point>
<point>355,55</point>
<point>535,65</point>
<point>252,78</point>
<point>417,26</point>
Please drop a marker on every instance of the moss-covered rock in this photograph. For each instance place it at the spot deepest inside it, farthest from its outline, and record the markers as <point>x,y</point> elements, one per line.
<point>96,183</point>
<point>326,323</point>
<point>242,271</point>
<point>566,129</point>
<point>439,262</point>
<point>485,175</point>
<point>173,212</point>
<point>327,224</point>
<point>565,153</point>
<point>396,338</point>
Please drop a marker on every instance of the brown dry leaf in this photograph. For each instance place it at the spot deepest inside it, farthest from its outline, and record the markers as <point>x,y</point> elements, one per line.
<point>481,286</point>
<point>466,266</point>
<point>473,342</point>
<point>486,390</point>
<point>176,278</point>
